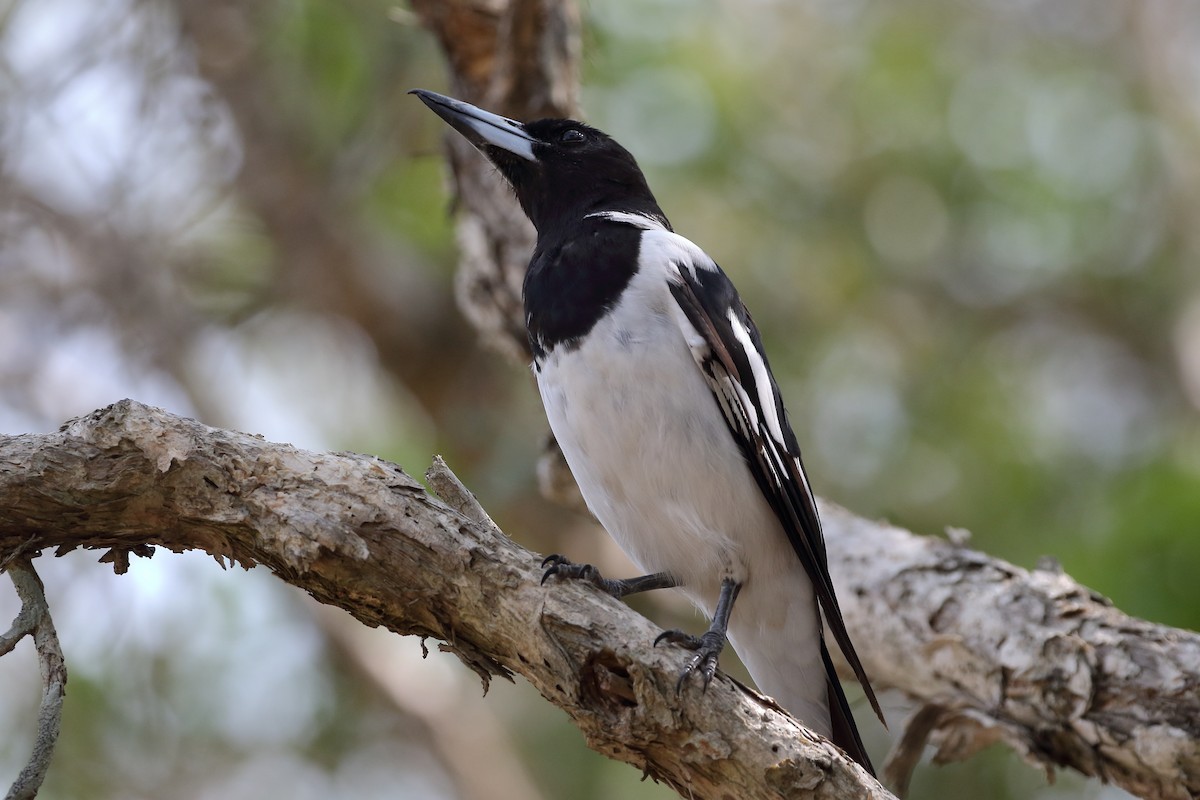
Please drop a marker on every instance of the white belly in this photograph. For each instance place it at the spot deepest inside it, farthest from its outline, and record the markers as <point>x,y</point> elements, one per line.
<point>653,457</point>
<point>659,468</point>
<point>651,453</point>
<point>640,464</point>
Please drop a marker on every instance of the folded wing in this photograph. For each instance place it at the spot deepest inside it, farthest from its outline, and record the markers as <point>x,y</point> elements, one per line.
<point>728,349</point>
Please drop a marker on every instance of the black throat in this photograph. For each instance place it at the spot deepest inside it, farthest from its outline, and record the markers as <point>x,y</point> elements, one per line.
<point>576,275</point>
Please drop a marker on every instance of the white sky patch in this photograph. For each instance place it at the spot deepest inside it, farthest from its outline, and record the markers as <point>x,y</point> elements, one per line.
<point>105,117</point>
<point>308,380</point>
<point>87,369</point>
<point>76,144</point>
<point>40,37</point>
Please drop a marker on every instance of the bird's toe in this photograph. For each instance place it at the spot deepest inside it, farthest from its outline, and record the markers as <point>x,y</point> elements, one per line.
<point>708,653</point>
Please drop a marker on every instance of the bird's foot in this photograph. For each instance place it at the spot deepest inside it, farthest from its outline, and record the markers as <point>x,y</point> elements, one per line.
<point>559,565</point>
<point>708,649</point>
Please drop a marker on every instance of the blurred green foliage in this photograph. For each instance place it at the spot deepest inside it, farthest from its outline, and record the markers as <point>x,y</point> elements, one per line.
<point>959,229</point>
<point>966,231</point>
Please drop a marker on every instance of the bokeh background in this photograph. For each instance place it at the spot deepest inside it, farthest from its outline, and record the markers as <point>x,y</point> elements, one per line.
<point>968,230</point>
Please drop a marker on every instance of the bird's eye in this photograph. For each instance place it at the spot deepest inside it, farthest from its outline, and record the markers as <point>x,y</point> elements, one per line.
<point>572,136</point>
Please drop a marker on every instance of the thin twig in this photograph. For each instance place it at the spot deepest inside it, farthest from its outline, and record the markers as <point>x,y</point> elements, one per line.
<point>446,485</point>
<point>34,619</point>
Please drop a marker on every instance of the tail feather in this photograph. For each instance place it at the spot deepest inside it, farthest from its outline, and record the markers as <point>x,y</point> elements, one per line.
<point>845,732</point>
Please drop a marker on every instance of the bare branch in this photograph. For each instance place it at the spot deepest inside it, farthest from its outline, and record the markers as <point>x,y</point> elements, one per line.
<point>358,533</point>
<point>1030,659</point>
<point>34,620</point>
<point>446,485</point>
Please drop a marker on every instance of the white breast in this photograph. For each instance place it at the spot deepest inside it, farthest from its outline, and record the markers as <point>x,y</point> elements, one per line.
<point>647,443</point>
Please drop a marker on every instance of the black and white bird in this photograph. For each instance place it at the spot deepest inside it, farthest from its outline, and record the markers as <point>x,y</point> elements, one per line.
<point>659,393</point>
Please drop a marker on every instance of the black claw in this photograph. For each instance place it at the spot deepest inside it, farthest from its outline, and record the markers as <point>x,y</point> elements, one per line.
<point>704,664</point>
<point>552,563</point>
<point>708,670</point>
<point>708,651</point>
<point>559,565</point>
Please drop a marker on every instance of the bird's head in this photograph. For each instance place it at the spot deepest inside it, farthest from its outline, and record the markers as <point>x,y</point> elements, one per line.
<point>560,169</point>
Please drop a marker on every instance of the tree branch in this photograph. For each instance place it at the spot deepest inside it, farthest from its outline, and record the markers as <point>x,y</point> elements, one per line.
<point>995,653</point>
<point>358,533</point>
<point>34,620</point>
<point>990,651</point>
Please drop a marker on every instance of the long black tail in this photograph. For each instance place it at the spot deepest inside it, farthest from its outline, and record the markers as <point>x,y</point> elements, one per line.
<point>845,732</point>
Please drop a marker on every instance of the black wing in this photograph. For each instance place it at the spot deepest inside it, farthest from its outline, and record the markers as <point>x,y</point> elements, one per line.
<point>729,351</point>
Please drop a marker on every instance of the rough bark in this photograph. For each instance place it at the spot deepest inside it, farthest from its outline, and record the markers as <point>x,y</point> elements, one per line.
<point>34,621</point>
<point>996,653</point>
<point>356,532</point>
<point>990,651</point>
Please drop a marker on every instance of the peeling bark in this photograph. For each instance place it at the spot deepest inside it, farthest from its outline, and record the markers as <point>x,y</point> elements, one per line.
<point>358,533</point>
<point>992,652</point>
<point>1028,658</point>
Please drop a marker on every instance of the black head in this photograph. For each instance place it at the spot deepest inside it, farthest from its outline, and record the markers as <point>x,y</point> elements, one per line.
<point>559,169</point>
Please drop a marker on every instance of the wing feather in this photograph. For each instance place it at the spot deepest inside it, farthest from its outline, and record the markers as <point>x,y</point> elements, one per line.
<point>728,349</point>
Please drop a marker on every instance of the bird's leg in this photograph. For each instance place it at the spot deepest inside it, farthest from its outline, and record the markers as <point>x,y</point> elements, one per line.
<point>560,566</point>
<point>709,645</point>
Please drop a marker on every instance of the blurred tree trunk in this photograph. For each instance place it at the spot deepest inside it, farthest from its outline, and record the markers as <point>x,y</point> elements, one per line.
<point>519,58</point>
<point>323,258</point>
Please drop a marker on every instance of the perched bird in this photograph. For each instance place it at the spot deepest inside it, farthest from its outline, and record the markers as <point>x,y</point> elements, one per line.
<point>659,393</point>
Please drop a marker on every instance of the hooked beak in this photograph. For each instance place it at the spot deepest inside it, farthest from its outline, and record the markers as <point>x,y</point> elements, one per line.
<point>481,128</point>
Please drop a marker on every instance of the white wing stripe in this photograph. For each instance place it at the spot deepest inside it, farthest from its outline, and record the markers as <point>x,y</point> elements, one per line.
<point>739,398</point>
<point>744,401</point>
<point>762,378</point>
